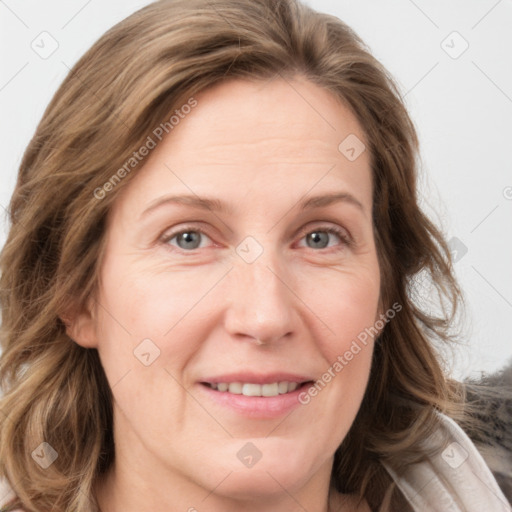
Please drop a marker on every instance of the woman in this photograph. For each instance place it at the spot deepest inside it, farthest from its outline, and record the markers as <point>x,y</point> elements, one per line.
<point>208,286</point>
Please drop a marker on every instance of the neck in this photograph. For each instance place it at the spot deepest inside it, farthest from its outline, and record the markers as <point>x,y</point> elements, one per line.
<point>121,491</point>
<point>129,489</point>
<point>140,480</point>
<point>115,496</point>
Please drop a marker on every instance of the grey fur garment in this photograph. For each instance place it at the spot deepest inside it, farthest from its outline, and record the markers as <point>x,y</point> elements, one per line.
<point>492,430</point>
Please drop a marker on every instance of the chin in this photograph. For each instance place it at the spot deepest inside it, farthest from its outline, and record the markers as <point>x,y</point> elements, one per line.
<point>283,464</point>
<point>251,484</point>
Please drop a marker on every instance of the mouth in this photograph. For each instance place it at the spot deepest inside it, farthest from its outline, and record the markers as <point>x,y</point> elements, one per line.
<point>255,395</point>
<point>251,389</point>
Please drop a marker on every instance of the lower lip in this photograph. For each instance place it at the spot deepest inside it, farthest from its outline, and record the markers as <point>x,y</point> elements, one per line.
<point>256,406</point>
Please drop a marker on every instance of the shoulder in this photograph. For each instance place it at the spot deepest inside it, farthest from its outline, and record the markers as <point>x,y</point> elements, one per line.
<point>454,477</point>
<point>6,495</point>
<point>490,402</point>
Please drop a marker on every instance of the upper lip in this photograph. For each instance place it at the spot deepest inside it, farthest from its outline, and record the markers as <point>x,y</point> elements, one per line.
<point>258,378</point>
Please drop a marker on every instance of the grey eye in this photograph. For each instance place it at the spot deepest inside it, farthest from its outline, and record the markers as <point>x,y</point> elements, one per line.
<point>319,239</point>
<point>188,239</point>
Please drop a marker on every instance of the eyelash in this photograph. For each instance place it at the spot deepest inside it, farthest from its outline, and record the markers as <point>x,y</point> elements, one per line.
<point>341,233</point>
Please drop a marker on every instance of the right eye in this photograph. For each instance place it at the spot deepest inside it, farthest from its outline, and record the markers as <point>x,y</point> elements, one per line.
<point>187,239</point>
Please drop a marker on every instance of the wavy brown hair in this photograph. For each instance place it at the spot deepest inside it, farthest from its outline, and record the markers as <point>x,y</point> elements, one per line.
<point>129,82</point>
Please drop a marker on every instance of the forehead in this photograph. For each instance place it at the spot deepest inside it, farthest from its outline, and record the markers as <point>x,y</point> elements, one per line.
<point>282,136</point>
<point>287,118</point>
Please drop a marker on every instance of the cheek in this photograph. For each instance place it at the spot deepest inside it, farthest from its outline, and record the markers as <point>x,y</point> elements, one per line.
<point>149,303</point>
<point>346,303</point>
<point>150,316</point>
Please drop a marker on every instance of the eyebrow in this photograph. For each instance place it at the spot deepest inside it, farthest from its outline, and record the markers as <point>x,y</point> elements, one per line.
<point>215,205</point>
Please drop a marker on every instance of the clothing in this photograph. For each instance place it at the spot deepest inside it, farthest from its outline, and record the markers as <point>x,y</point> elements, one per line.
<point>6,495</point>
<point>456,479</point>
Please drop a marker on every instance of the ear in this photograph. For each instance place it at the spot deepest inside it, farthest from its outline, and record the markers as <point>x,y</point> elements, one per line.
<point>81,324</point>
<point>379,318</point>
<point>380,309</point>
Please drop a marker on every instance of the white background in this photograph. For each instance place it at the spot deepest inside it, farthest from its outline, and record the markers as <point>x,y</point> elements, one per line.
<point>462,108</point>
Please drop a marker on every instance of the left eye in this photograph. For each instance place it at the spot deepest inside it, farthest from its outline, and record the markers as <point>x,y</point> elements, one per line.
<point>319,238</point>
<point>190,239</point>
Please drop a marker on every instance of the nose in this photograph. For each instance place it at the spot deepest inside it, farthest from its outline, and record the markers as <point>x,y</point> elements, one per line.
<point>261,306</point>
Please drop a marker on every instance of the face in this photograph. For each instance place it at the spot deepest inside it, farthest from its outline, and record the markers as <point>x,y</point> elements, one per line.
<point>264,291</point>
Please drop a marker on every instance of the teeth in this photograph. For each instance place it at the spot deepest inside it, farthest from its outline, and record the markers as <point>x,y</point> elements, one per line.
<point>249,389</point>
<point>235,387</point>
<point>270,389</point>
<point>282,387</point>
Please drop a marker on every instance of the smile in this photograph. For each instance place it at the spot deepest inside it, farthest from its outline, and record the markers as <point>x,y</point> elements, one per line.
<point>250,389</point>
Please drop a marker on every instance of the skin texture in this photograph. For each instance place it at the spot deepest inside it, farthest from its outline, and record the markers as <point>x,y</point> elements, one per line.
<point>260,148</point>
